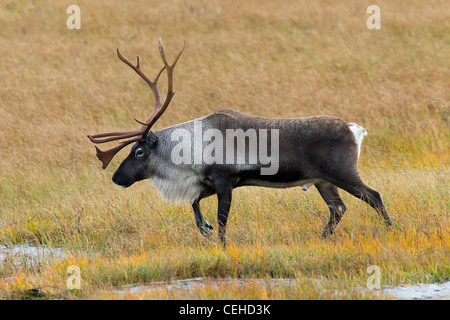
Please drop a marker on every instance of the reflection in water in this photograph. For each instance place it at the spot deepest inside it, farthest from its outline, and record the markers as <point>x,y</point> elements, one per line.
<point>26,255</point>
<point>419,291</point>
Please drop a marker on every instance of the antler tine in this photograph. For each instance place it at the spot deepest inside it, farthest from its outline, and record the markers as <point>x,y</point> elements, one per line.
<point>111,136</point>
<point>106,156</point>
<point>169,68</point>
<point>137,69</point>
<point>170,93</point>
<point>158,111</point>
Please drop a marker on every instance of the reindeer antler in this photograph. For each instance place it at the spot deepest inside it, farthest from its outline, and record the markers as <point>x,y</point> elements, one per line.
<point>141,134</point>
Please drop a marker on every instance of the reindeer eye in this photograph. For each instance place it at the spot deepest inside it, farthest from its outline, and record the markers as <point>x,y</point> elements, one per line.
<point>139,153</point>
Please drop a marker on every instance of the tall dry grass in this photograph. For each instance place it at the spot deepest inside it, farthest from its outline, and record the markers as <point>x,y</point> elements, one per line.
<point>276,59</point>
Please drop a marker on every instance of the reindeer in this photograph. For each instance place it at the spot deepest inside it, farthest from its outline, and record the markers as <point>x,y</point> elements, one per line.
<point>321,150</point>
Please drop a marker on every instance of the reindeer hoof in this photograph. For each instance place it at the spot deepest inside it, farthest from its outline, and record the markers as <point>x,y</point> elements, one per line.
<point>206,229</point>
<point>208,225</point>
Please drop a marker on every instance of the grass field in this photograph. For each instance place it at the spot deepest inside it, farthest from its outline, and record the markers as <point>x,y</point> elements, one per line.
<point>268,58</point>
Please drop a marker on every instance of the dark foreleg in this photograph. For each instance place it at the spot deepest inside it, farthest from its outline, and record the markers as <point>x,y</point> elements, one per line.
<point>224,196</point>
<point>203,225</point>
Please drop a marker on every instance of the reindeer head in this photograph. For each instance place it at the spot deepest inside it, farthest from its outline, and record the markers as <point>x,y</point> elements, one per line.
<point>135,166</point>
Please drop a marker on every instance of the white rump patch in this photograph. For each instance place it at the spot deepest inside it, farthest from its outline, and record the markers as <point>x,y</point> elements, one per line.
<point>359,133</point>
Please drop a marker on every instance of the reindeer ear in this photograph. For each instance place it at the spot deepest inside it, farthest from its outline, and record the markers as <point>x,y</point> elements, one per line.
<point>152,138</point>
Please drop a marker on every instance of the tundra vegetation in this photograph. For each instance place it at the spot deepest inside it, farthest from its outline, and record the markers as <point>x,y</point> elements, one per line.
<point>267,58</point>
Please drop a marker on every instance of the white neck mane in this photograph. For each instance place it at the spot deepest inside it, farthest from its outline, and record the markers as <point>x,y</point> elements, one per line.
<point>180,188</point>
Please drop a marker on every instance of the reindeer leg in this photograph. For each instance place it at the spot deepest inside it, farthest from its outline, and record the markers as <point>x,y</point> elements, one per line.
<point>356,187</point>
<point>371,197</point>
<point>330,194</point>
<point>224,197</point>
<point>203,225</point>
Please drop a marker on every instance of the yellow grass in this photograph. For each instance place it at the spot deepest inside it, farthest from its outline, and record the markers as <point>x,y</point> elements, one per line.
<point>268,58</point>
